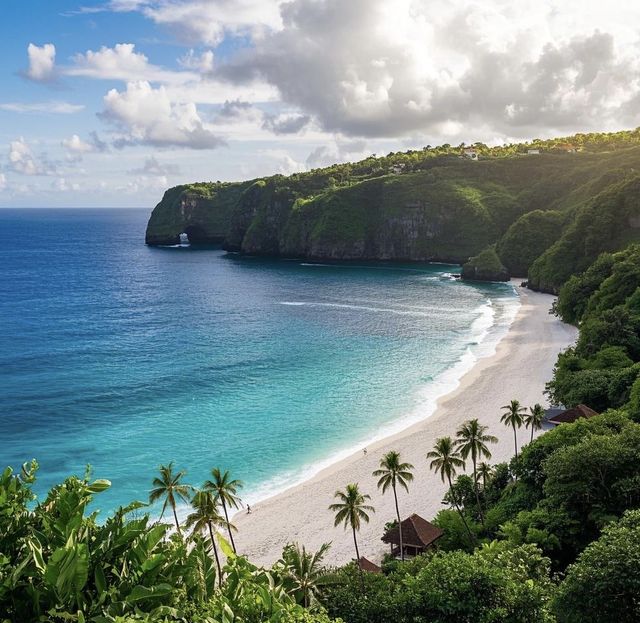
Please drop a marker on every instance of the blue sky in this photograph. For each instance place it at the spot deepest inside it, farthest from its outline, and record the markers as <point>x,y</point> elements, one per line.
<point>109,102</point>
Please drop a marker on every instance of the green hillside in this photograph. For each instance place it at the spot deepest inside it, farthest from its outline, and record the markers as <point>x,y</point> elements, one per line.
<point>549,214</point>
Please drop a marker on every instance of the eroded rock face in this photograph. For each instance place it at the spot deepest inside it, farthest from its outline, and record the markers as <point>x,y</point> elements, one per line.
<point>352,224</point>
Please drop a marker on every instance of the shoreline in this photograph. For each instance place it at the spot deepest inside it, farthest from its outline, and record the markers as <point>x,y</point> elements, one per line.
<point>441,386</point>
<point>300,513</point>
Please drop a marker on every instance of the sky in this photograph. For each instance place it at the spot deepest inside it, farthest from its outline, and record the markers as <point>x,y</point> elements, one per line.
<point>110,102</point>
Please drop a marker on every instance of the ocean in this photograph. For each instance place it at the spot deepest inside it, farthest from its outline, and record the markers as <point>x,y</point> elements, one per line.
<point>123,357</point>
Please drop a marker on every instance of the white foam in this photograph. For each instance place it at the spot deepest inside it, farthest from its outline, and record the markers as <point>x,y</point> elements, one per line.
<point>385,310</point>
<point>489,327</point>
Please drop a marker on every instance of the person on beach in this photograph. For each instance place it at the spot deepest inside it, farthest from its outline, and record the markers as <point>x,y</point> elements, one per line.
<point>248,510</point>
<point>364,450</point>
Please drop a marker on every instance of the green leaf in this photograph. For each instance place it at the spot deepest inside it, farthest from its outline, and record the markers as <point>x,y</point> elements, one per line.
<point>101,581</point>
<point>226,548</point>
<point>36,551</point>
<point>97,486</point>
<point>143,592</point>
<point>67,569</point>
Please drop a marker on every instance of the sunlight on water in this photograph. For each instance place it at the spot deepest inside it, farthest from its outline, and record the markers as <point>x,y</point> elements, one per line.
<point>124,356</point>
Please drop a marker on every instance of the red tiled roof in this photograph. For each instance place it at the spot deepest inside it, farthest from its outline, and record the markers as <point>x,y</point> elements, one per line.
<point>571,415</point>
<point>416,531</point>
<point>367,565</point>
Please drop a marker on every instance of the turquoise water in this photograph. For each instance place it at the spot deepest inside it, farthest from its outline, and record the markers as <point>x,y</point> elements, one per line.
<point>124,356</point>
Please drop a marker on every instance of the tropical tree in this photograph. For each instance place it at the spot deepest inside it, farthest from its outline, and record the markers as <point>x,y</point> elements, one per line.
<point>485,471</point>
<point>513,417</point>
<point>472,442</point>
<point>392,473</point>
<point>204,517</point>
<point>351,510</point>
<point>534,418</point>
<point>225,491</point>
<point>304,572</point>
<point>169,486</point>
<point>445,460</point>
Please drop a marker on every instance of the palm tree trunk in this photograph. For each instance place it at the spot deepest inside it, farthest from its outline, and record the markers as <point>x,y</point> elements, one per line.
<point>175,516</point>
<point>395,497</point>
<point>355,542</point>
<point>226,516</point>
<point>464,521</point>
<point>531,434</point>
<point>515,443</point>
<point>215,553</point>
<point>475,488</point>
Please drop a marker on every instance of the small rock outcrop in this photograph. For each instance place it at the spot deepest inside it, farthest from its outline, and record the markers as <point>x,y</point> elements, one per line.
<point>486,266</point>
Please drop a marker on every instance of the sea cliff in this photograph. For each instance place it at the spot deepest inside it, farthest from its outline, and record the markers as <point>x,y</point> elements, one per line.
<point>541,217</point>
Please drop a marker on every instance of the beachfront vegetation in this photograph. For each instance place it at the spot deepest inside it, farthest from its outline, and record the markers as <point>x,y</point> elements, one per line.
<point>513,417</point>
<point>393,473</point>
<point>225,492</point>
<point>351,510</point>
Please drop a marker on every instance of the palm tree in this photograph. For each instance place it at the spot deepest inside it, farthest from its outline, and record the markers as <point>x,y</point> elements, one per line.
<point>446,461</point>
<point>304,571</point>
<point>170,486</point>
<point>485,471</point>
<point>225,492</point>
<point>472,442</point>
<point>351,510</point>
<point>513,416</point>
<point>534,418</point>
<point>205,516</point>
<point>392,473</point>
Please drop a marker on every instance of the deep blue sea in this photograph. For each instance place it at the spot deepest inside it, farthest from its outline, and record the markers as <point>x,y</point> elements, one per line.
<point>122,356</point>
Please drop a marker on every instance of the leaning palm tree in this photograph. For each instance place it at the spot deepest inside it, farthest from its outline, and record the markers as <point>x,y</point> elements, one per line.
<point>393,472</point>
<point>351,510</point>
<point>205,516</point>
<point>225,492</point>
<point>170,487</point>
<point>534,418</point>
<point>304,572</point>
<point>513,416</point>
<point>446,461</point>
<point>485,471</point>
<point>472,442</point>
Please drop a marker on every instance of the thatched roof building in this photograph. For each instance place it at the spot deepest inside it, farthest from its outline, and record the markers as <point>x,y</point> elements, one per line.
<point>571,415</point>
<point>418,535</point>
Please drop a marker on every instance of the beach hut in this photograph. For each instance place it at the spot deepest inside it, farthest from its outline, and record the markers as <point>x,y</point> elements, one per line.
<point>418,535</point>
<point>367,565</point>
<point>571,415</point>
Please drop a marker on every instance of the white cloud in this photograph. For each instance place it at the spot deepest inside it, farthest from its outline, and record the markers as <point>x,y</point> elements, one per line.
<point>153,167</point>
<point>41,62</point>
<point>77,145</point>
<point>22,160</point>
<point>339,151</point>
<point>62,185</point>
<point>3,181</point>
<point>203,62</point>
<point>389,69</point>
<point>208,21</point>
<point>58,108</point>
<point>145,183</point>
<point>147,115</point>
<point>122,62</point>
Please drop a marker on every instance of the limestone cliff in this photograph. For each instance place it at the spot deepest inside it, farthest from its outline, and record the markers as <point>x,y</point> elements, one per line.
<point>430,209</point>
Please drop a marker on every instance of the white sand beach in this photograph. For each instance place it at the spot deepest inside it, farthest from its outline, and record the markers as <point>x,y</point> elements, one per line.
<point>522,364</point>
